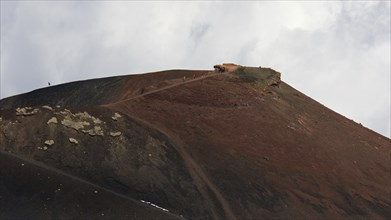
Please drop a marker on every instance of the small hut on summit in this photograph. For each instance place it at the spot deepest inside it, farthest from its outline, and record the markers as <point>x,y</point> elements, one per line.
<point>225,67</point>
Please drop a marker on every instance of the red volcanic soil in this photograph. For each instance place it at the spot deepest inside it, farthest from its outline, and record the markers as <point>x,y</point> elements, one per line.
<point>203,145</point>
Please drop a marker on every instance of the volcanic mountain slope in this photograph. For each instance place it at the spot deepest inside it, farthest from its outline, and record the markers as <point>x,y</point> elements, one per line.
<point>200,144</point>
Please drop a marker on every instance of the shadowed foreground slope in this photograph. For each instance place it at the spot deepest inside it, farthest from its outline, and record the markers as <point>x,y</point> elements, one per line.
<point>34,191</point>
<point>202,145</point>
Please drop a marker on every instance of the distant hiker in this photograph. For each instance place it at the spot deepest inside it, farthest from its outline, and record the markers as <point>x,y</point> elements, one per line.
<point>193,76</point>
<point>48,83</point>
<point>184,78</point>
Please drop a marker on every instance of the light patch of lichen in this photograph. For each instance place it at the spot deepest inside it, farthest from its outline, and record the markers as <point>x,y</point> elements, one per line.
<point>47,107</point>
<point>49,142</point>
<point>53,120</point>
<point>73,141</point>
<point>77,125</point>
<point>82,121</point>
<point>26,111</point>
<point>115,134</point>
<point>85,116</point>
<point>96,131</point>
<point>116,116</point>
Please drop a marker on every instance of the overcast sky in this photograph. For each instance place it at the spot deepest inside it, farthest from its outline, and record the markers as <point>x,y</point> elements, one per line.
<point>335,52</point>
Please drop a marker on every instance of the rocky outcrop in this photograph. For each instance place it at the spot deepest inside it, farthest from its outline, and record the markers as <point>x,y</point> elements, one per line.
<point>275,80</point>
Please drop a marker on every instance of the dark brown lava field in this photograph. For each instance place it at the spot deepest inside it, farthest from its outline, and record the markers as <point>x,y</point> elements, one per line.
<point>184,144</point>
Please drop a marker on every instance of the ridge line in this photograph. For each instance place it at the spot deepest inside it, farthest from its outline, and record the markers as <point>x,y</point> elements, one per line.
<point>164,88</point>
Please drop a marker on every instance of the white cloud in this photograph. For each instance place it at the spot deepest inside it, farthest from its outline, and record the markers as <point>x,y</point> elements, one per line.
<point>316,45</point>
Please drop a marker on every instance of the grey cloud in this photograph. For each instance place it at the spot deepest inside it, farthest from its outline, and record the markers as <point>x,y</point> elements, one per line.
<point>8,16</point>
<point>345,65</point>
<point>197,31</point>
<point>316,45</point>
<point>364,24</point>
